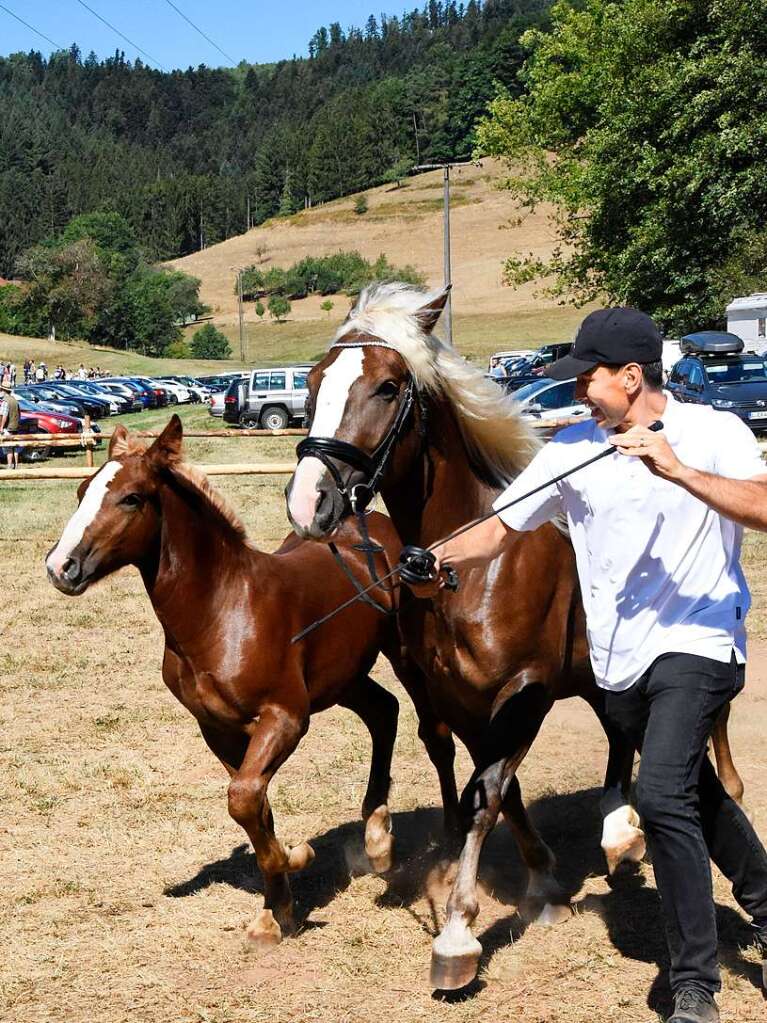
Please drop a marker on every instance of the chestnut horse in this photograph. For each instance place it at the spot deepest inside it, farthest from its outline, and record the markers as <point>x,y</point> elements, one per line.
<point>397,410</point>
<point>228,612</point>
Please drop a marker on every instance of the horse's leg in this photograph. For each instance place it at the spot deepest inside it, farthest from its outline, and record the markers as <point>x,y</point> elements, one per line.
<point>274,737</point>
<point>542,885</point>
<point>437,739</point>
<point>379,711</point>
<point>456,952</point>
<point>622,837</point>
<point>725,768</point>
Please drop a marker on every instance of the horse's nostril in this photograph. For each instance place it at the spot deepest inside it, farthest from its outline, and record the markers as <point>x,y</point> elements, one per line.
<point>71,569</point>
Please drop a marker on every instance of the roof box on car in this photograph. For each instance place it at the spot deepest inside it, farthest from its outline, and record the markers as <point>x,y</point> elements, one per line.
<point>711,342</point>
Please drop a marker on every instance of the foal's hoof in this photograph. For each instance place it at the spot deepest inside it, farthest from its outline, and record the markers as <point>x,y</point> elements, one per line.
<point>454,960</point>
<point>622,838</point>
<point>379,841</point>
<point>263,934</point>
<point>300,856</point>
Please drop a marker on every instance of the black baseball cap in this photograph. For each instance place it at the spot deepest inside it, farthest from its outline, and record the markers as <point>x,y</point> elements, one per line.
<point>613,337</point>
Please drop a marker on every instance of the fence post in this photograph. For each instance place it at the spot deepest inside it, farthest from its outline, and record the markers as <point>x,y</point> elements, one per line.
<point>88,440</point>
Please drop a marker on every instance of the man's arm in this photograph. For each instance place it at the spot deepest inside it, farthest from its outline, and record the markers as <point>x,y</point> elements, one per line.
<point>742,500</point>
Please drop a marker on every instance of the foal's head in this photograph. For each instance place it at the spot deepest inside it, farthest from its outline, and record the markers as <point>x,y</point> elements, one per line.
<point>118,516</point>
<point>363,394</point>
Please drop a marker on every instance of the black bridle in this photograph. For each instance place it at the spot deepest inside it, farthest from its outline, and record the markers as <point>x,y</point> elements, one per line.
<point>329,450</point>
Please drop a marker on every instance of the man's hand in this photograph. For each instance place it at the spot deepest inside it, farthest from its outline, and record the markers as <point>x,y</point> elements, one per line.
<point>654,450</point>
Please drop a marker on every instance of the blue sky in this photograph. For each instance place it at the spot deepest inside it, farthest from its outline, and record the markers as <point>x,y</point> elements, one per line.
<point>254,30</point>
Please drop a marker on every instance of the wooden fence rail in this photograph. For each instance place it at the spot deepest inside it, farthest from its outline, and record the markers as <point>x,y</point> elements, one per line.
<point>87,440</point>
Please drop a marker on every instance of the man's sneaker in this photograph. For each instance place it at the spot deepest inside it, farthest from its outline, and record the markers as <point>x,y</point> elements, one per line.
<point>692,1005</point>
<point>761,944</point>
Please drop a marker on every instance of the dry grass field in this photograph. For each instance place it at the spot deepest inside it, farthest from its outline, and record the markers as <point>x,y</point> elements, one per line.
<point>126,887</point>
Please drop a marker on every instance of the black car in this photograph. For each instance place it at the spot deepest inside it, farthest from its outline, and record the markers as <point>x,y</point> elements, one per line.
<point>96,408</point>
<point>69,406</point>
<point>716,371</point>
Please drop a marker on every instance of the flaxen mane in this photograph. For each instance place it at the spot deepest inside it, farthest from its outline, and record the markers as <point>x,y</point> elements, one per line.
<point>192,479</point>
<point>497,437</point>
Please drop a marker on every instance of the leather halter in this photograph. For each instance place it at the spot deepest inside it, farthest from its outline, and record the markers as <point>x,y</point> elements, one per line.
<point>328,449</point>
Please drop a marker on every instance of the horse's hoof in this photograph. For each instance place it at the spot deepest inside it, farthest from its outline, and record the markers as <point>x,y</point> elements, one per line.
<point>454,958</point>
<point>622,838</point>
<point>450,973</point>
<point>379,841</point>
<point>300,856</point>
<point>263,934</point>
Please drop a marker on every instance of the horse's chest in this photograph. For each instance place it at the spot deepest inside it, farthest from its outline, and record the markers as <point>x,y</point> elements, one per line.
<point>202,695</point>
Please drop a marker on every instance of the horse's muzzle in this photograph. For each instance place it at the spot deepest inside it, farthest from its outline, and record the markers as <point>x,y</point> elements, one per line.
<point>70,578</point>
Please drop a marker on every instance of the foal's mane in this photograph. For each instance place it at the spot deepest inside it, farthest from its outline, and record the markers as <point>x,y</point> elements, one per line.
<point>192,480</point>
<point>497,438</point>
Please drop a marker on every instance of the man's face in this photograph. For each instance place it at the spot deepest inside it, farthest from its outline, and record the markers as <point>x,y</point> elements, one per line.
<point>609,393</point>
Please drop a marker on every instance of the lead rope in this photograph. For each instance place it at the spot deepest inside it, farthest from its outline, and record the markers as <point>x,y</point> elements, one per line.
<point>425,553</point>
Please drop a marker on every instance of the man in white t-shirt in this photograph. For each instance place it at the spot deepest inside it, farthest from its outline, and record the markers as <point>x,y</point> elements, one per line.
<point>657,531</point>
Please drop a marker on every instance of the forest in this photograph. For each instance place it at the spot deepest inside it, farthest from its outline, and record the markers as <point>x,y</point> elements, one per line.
<point>195,156</point>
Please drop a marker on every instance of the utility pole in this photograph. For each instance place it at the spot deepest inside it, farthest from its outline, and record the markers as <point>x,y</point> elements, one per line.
<point>417,143</point>
<point>448,279</point>
<point>239,312</point>
<point>248,213</point>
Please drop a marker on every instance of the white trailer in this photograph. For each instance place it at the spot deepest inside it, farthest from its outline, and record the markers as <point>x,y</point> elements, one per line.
<point>747,317</point>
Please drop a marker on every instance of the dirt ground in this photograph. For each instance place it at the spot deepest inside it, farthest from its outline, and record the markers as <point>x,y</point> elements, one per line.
<point>126,887</point>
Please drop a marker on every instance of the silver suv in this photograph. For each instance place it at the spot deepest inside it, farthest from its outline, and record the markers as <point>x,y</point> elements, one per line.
<point>269,398</point>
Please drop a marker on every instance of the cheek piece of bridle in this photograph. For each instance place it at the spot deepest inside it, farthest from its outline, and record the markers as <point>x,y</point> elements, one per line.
<point>358,496</point>
<point>418,564</point>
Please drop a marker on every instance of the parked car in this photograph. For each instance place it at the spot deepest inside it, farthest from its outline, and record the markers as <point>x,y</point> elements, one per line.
<point>162,394</point>
<point>55,423</point>
<point>68,406</point>
<point>125,391</point>
<point>146,395</point>
<point>94,407</point>
<point>220,381</point>
<point>216,404</point>
<point>197,391</point>
<point>510,355</point>
<point>271,399</point>
<point>116,404</point>
<point>545,399</point>
<point>527,370</point>
<point>177,390</point>
<point>716,371</point>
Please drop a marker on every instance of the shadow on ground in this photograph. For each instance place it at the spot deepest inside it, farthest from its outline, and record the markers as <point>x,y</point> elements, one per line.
<point>571,825</point>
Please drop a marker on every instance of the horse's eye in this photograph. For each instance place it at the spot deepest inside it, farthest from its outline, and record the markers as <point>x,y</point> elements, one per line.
<point>132,501</point>
<point>388,390</point>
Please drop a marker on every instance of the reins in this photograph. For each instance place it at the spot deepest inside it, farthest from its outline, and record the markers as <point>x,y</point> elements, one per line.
<point>420,564</point>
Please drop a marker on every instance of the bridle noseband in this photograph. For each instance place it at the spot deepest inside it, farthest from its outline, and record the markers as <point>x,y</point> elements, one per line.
<point>329,450</point>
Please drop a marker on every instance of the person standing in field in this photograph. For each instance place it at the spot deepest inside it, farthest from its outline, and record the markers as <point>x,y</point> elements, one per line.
<point>10,419</point>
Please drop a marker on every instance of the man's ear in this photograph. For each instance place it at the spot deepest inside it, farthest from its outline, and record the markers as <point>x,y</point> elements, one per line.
<point>118,443</point>
<point>429,314</point>
<point>167,447</point>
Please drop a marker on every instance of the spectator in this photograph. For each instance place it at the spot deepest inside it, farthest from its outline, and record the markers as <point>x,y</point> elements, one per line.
<point>9,422</point>
<point>82,373</point>
<point>5,374</point>
<point>13,374</point>
<point>32,371</point>
<point>26,371</point>
<point>496,369</point>
<point>40,373</point>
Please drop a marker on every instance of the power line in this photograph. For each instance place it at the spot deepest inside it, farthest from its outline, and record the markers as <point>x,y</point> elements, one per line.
<point>32,28</point>
<point>197,29</point>
<point>120,34</point>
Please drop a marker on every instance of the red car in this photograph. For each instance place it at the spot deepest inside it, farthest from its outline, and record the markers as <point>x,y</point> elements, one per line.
<point>35,420</point>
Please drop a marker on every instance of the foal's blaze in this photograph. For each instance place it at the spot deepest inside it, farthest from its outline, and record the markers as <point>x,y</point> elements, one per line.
<point>110,526</point>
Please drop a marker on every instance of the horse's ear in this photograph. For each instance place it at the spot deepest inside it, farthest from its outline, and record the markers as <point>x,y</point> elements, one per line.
<point>167,447</point>
<point>428,314</point>
<point>118,443</point>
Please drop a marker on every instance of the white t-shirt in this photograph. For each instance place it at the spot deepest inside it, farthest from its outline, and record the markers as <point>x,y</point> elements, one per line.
<point>659,570</point>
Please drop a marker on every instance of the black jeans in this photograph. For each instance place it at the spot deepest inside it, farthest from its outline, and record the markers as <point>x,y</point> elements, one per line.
<point>669,714</point>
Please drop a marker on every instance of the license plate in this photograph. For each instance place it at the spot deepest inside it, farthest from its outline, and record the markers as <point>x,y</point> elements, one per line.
<point>758,415</point>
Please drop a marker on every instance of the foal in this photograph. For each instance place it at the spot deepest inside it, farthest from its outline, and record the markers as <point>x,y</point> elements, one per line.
<point>228,612</point>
